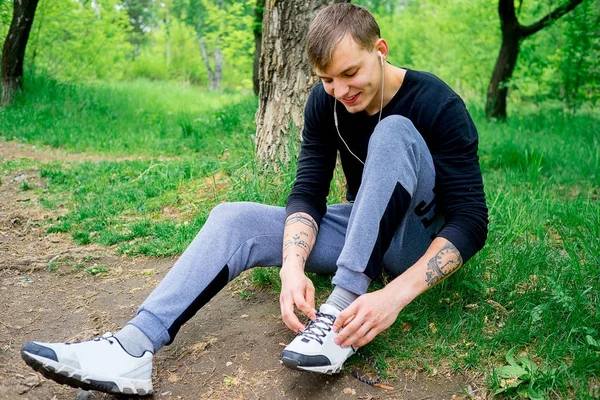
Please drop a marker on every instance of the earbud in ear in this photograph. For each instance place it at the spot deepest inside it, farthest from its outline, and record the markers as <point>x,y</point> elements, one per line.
<point>381,57</point>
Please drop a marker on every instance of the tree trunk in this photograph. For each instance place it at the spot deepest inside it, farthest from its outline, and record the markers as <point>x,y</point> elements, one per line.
<point>209,71</point>
<point>285,76</point>
<point>218,67</point>
<point>257,30</point>
<point>13,52</point>
<point>512,35</point>
<point>495,106</point>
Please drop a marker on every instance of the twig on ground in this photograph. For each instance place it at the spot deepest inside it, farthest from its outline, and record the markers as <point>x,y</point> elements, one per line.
<point>152,165</point>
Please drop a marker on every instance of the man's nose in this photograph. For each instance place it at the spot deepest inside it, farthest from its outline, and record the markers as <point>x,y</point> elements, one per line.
<point>340,89</point>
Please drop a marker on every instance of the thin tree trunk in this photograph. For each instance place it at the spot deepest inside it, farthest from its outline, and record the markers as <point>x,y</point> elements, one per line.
<point>13,52</point>
<point>497,93</point>
<point>512,35</point>
<point>285,76</point>
<point>209,71</point>
<point>257,30</point>
<point>218,67</point>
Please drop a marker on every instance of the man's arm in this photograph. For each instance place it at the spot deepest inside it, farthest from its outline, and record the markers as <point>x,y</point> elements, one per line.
<point>306,205</point>
<point>299,236</point>
<point>374,312</point>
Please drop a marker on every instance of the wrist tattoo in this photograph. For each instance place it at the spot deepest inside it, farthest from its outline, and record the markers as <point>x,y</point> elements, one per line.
<point>443,264</point>
<point>299,218</point>
<point>296,241</point>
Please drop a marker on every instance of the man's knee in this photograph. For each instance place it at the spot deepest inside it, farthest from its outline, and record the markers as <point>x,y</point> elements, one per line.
<point>232,214</point>
<point>393,132</point>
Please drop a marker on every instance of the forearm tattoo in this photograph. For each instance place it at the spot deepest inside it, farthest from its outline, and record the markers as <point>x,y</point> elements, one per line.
<point>299,218</point>
<point>443,264</point>
<point>299,242</point>
<point>296,240</point>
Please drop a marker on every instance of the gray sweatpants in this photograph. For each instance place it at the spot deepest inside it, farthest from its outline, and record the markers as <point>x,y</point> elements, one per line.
<point>390,225</point>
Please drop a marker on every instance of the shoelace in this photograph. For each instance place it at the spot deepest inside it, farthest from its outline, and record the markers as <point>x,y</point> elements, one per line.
<point>372,382</point>
<point>318,328</point>
<point>107,336</point>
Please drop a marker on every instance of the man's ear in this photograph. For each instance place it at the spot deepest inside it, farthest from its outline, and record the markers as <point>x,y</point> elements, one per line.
<point>381,46</point>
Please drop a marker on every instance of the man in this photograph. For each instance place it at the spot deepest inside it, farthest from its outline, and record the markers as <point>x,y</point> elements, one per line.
<point>416,207</point>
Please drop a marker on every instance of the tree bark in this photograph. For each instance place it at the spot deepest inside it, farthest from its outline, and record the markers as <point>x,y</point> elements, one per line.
<point>257,30</point>
<point>512,35</point>
<point>285,76</point>
<point>218,67</point>
<point>13,52</point>
<point>213,85</point>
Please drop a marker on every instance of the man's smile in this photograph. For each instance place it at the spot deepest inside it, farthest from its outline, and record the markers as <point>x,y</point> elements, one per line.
<point>350,100</point>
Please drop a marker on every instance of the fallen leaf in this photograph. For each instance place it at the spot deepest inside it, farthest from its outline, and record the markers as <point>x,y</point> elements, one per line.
<point>349,391</point>
<point>198,348</point>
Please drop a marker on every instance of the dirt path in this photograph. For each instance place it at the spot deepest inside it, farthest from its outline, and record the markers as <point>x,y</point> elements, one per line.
<point>228,351</point>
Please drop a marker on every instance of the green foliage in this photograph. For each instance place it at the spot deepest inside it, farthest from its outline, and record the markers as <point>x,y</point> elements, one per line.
<point>459,41</point>
<point>97,269</point>
<point>6,7</point>
<point>523,377</point>
<point>80,41</point>
<point>229,26</point>
<point>171,50</point>
<point>26,186</point>
<point>185,61</point>
<point>455,40</point>
<point>143,19</point>
<point>560,62</point>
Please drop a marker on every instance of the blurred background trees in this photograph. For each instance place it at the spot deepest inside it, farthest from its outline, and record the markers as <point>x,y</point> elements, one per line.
<point>212,43</point>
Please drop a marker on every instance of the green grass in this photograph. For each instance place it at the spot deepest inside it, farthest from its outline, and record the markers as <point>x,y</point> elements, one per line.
<point>137,118</point>
<point>525,311</point>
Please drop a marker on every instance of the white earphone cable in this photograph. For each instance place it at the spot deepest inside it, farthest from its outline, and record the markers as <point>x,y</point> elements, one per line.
<point>335,118</point>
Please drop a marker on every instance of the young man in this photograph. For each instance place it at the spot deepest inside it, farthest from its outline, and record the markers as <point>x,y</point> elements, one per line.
<point>416,207</point>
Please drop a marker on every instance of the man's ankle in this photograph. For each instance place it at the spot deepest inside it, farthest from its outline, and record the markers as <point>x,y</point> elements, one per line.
<point>341,298</point>
<point>134,341</point>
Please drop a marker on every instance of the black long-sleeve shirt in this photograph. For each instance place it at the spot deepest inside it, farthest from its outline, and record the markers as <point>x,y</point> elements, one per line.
<point>439,115</point>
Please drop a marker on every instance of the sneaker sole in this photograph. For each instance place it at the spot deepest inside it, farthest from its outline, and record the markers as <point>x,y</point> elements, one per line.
<point>323,369</point>
<point>79,379</point>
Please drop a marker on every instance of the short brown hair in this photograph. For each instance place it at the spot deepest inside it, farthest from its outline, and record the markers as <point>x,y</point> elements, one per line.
<point>332,24</point>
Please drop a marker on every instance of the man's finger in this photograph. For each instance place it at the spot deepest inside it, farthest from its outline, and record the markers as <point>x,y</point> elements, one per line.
<point>310,299</point>
<point>302,304</point>
<point>287,314</point>
<point>342,318</point>
<point>349,329</point>
<point>367,338</point>
<point>356,334</point>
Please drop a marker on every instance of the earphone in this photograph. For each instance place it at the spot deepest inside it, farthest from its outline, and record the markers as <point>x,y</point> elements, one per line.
<point>335,118</point>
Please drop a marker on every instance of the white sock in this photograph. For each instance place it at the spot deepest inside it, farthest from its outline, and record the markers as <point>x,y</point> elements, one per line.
<point>134,341</point>
<point>341,298</point>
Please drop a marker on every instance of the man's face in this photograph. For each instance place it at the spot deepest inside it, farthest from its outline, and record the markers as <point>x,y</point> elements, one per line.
<point>353,77</point>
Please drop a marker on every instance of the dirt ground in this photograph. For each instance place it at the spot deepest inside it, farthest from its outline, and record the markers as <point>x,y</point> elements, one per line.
<point>228,351</point>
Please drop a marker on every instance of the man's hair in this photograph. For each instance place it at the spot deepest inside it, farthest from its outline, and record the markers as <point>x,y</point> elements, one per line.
<point>332,24</point>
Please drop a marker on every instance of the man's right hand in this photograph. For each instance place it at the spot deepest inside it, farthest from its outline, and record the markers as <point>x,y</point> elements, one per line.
<point>296,289</point>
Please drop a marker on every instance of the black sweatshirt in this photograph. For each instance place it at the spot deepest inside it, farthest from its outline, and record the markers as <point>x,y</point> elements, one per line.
<point>440,116</point>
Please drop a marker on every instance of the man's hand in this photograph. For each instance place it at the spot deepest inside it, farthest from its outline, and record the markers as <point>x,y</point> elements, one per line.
<point>296,289</point>
<point>365,318</point>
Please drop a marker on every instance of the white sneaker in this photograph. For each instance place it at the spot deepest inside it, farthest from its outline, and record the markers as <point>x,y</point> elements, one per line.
<point>314,349</point>
<point>100,364</point>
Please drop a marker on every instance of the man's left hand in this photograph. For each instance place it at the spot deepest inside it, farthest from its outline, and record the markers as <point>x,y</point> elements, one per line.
<point>365,318</point>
